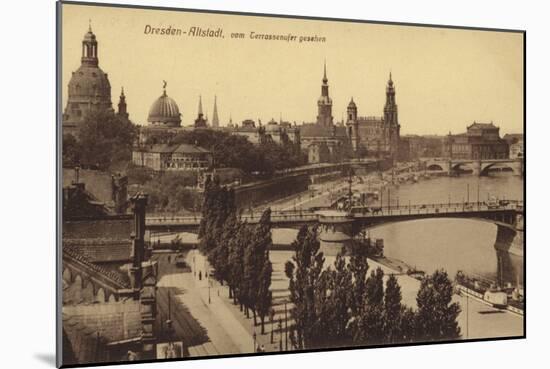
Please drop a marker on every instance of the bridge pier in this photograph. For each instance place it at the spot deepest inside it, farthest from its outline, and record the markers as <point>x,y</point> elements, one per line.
<point>335,231</point>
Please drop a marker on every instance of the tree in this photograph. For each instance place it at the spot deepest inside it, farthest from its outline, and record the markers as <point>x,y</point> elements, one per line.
<point>70,151</point>
<point>255,257</point>
<point>305,283</point>
<point>237,245</point>
<point>393,311</point>
<point>264,297</point>
<point>105,138</point>
<point>436,318</point>
<point>370,326</point>
<point>264,242</point>
<point>337,304</point>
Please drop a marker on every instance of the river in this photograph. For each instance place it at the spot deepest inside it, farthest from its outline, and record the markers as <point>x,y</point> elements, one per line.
<point>453,244</point>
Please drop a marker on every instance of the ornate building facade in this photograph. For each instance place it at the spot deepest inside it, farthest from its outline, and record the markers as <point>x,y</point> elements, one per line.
<point>481,141</point>
<point>89,87</point>
<point>375,136</point>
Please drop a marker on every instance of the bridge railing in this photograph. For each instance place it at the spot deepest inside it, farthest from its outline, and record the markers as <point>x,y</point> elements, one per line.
<point>452,207</point>
<point>364,211</point>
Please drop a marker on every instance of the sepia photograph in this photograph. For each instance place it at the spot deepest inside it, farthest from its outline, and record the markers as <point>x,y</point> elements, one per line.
<point>238,184</point>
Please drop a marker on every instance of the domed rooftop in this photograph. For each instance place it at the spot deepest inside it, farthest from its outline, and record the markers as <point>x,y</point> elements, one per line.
<point>89,87</point>
<point>165,111</point>
<point>90,82</point>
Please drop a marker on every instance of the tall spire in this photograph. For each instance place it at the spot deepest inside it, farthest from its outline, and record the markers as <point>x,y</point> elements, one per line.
<point>200,105</point>
<point>215,119</point>
<point>90,25</point>
<point>325,79</point>
<point>122,109</point>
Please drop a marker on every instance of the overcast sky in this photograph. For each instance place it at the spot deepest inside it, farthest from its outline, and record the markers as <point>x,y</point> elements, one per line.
<point>445,79</point>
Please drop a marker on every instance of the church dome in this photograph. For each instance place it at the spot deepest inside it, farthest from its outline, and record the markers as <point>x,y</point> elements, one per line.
<point>90,82</point>
<point>165,111</point>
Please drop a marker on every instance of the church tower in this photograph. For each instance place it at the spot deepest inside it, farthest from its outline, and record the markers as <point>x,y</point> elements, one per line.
<point>324,103</point>
<point>215,119</point>
<point>390,109</point>
<point>201,121</point>
<point>352,125</point>
<point>122,109</point>
<point>391,121</point>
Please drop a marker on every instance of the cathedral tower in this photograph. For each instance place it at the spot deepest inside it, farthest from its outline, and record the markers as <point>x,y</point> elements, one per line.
<point>324,104</point>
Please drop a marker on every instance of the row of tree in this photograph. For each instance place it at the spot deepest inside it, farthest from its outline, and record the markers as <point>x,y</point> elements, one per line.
<point>238,252</point>
<point>342,305</point>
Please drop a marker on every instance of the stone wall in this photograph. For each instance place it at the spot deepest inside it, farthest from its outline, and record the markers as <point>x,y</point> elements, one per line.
<point>254,194</point>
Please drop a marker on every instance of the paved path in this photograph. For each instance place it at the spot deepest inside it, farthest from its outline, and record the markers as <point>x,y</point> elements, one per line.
<point>225,334</point>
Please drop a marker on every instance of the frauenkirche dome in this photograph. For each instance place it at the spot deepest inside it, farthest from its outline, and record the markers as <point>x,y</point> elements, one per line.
<point>89,87</point>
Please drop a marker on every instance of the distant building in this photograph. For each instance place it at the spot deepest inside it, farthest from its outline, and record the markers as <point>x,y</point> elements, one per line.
<point>481,141</point>
<point>165,157</point>
<point>516,145</point>
<point>89,88</point>
<point>376,136</point>
<point>426,146</point>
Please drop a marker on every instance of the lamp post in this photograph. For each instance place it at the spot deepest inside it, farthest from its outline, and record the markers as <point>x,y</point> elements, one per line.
<point>271,316</point>
<point>286,330</point>
<point>280,334</point>
<point>254,337</point>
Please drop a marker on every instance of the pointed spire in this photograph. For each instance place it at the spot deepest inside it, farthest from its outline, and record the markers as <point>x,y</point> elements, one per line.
<point>122,91</point>
<point>215,119</point>
<point>200,105</point>
<point>89,25</point>
<point>325,79</point>
<point>164,83</point>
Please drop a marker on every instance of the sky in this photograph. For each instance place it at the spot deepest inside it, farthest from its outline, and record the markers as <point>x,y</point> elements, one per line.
<point>445,79</point>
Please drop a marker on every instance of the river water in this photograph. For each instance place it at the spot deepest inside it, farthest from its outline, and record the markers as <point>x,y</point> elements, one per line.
<point>453,244</point>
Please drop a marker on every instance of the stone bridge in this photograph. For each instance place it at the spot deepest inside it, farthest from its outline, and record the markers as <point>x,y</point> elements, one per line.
<point>337,228</point>
<point>479,167</point>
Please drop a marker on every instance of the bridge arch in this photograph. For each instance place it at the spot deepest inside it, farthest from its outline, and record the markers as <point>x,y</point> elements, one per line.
<point>509,165</point>
<point>434,167</point>
<point>463,166</point>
